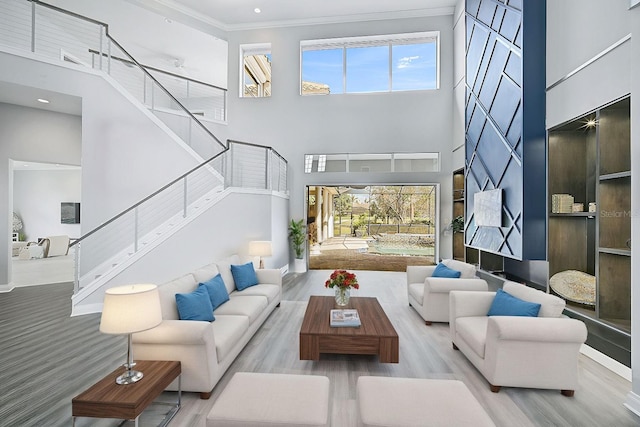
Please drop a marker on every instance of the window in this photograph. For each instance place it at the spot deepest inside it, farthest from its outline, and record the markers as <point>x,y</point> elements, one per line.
<point>255,69</point>
<point>372,162</point>
<point>370,64</point>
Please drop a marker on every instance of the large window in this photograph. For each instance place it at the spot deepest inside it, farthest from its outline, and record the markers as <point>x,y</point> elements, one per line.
<point>255,70</point>
<point>370,64</point>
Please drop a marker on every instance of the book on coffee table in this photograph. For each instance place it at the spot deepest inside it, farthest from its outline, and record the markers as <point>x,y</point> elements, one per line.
<point>345,318</point>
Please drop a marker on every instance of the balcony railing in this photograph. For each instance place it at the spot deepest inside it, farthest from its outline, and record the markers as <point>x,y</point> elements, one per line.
<point>243,165</point>
<point>54,33</point>
<point>58,34</point>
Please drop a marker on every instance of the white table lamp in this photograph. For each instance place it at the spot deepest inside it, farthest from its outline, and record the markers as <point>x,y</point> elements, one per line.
<point>260,248</point>
<point>126,310</point>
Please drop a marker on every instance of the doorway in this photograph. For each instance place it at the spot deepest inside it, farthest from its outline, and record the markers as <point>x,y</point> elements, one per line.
<point>372,227</point>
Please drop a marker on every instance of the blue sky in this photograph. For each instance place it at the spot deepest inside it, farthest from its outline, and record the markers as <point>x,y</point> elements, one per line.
<point>413,68</point>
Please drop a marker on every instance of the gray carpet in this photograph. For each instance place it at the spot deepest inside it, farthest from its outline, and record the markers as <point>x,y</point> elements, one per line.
<point>47,357</point>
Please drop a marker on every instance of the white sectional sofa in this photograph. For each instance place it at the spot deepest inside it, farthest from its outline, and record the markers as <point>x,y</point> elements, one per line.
<point>207,349</point>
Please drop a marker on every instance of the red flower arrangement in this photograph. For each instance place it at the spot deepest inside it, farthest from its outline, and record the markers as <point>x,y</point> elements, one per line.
<point>342,279</point>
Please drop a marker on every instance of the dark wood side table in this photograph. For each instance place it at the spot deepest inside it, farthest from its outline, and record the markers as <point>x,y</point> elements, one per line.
<point>106,399</point>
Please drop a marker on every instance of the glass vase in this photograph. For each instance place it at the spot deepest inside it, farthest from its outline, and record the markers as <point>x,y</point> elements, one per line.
<point>342,296</point>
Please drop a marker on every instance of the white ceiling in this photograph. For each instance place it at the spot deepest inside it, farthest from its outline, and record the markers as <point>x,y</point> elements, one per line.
<point>240,14</point>
<point>164,41</point>
<point>27,96</point>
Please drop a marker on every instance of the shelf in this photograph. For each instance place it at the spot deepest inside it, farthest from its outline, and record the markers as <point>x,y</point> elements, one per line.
<point>594,165</point>
<point>615,251</point>
<point>617,175</point>
<point>590,215</point>
<point>459,200</point>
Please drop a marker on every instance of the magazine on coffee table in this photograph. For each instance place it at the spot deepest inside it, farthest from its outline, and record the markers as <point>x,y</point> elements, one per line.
<point>345,318</point>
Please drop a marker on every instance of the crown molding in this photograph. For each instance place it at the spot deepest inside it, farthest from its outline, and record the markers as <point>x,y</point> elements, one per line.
<point>378,16</point>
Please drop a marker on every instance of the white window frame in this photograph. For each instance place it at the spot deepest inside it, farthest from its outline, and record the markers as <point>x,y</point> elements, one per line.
<point>251,49</point>
<point>390,40</point>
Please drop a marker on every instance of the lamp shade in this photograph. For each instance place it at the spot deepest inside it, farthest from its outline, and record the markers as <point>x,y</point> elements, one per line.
<point>260,248</point>
<point>131,308</point>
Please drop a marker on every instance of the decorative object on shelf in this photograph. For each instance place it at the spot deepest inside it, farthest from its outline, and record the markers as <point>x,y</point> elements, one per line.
<point>577,207</point>
<point>575,286</point>
<point>592,207</point>
<point>260,248</point>
<point>126,310</point>
<point>628,243</point>
<point>561,203</point>
<point>342,281</point>
<point>457,224</point>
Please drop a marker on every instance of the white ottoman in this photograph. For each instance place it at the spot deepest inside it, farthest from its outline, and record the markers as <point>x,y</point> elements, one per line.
<point>404,402</point>
<point>274,400</point>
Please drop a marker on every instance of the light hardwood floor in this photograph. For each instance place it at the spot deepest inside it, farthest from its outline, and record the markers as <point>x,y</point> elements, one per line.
<point>425,352</point>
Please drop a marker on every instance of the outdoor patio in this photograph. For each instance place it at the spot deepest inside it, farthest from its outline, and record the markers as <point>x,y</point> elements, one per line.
<point>351,253</point>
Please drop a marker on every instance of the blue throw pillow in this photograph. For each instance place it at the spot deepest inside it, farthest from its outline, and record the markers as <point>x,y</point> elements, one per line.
<point>195,305</point>
<point>444,271</point>
<point>505,304</point>
<point>217,291</point>
<point>244,275</point>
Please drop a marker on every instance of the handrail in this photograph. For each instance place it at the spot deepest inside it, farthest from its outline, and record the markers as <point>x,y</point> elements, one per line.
<point>133,60</point>
<point>132,207</point>
<point>259,146</point>
<point>68,12</point>
<point>185,109</point>
<point>148,67</point>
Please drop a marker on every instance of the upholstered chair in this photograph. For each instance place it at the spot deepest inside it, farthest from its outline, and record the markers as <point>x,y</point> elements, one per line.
<point>429,295</point>
<point>518,349</point>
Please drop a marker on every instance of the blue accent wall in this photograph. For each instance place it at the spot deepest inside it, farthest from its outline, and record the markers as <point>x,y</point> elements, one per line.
<point>505,145</point>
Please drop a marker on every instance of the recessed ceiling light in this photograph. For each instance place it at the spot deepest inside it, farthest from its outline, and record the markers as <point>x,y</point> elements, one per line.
<point>257,10</point>
<point>44,101</point>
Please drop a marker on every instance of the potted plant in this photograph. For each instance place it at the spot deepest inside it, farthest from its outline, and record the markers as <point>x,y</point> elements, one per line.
<point>297,235</point>
<point>457,224</point>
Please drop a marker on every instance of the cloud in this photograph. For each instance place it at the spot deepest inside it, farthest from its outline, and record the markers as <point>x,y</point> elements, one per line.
<point>406,61</point>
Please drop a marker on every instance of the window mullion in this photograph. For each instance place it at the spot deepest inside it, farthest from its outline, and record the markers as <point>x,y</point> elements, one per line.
<point>344,70</point>
<point>390,67</point>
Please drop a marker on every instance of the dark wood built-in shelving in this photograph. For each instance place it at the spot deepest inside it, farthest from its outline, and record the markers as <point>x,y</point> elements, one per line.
<point>589,158</point>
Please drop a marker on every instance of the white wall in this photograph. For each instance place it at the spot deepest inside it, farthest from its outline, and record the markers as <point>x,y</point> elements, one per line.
<point>120,140</point>
<point>223,230</point>
<point>31,135</point>
<point>161,42</point>
<point>119,137</point>
<point>459,91</point>
<point>633,400</point>
<point>577,32</point>
<point>37,195</point>
<point>355,123</point>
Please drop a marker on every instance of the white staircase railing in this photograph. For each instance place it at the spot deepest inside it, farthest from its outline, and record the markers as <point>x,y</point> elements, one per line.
<point>110,245</point>
<point>58,34</point>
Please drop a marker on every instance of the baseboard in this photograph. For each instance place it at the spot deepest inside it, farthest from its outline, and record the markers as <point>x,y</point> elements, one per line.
<point>6,288</point>
<point>633,403</point>
<point>81,310</point>
<point>609,363</point>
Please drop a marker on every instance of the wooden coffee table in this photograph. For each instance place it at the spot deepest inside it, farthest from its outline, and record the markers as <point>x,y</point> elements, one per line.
<point>376,335</point>
<point>106,399</point>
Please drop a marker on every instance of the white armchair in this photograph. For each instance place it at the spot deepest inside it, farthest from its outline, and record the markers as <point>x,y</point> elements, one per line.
<point>429,296</point>
<point>534,352</point>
